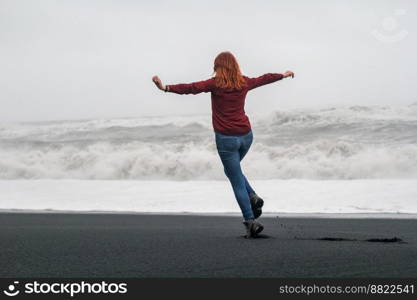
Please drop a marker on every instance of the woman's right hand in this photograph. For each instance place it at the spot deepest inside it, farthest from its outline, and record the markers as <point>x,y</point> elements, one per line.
<point>288,74</point>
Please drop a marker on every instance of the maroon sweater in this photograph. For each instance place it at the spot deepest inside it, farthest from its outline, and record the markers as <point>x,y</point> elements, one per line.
<point>228,106</point>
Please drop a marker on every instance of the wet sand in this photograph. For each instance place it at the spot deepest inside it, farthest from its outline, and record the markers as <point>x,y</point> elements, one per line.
<point>145,245</point>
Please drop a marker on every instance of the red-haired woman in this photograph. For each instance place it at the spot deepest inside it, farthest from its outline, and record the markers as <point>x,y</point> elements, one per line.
<point>231,126</point>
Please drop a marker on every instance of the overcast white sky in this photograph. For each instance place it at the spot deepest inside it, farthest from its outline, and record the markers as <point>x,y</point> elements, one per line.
<point>94,58</point>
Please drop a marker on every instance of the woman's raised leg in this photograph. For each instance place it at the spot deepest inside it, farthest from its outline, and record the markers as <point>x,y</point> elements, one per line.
<point>244,148</point>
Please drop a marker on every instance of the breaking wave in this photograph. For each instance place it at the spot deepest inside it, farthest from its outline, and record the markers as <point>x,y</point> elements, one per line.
<point>335,143</point>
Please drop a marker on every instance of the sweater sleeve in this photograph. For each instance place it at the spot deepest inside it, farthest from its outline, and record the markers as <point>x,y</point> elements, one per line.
<point>264,79</point>
<point>192,88</point>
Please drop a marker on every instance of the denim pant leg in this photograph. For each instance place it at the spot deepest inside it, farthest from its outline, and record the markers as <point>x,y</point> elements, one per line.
<point>245,145</point>
<point>249,189</point>
<point>228,149</point>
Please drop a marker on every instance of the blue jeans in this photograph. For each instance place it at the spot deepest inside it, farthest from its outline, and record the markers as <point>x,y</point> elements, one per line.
<point>231,150</point>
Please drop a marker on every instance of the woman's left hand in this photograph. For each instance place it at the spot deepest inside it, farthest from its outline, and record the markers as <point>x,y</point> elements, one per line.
<point>158,83</point>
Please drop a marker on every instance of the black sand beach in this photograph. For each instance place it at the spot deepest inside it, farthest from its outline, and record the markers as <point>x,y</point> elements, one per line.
<point>136,245</point>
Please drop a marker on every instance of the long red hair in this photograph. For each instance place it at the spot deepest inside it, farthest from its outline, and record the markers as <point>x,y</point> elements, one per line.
<point>227,71</point>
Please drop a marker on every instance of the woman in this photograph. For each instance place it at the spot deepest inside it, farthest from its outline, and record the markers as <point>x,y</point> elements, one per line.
<point>231,126</point>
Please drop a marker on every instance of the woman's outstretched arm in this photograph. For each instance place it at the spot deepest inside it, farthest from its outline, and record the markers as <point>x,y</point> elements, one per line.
<point>185,88</point>
<point>268,78</point>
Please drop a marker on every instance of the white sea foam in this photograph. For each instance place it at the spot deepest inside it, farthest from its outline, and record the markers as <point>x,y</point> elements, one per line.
<point>281,196</point>
<point>336,143</point>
